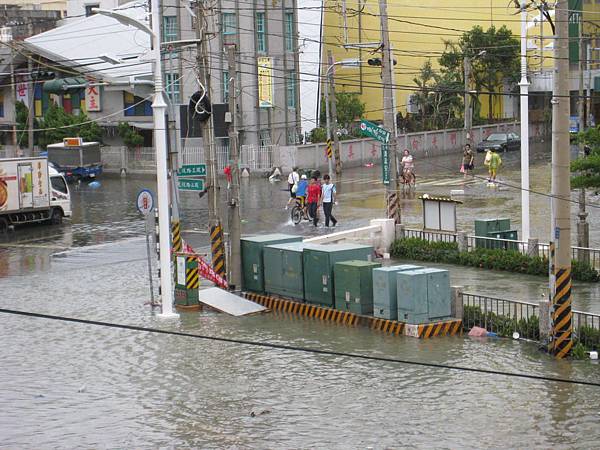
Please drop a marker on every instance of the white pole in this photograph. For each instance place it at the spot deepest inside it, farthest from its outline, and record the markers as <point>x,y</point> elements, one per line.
<point>524,85</point>
<point>159,108</point>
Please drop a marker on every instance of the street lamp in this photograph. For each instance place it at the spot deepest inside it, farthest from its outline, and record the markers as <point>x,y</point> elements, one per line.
<point>159,107</point>
<point>344,63</point>
<point>524,94</point>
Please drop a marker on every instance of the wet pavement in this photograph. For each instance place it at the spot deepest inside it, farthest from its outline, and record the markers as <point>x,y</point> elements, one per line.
<point>64,385</point>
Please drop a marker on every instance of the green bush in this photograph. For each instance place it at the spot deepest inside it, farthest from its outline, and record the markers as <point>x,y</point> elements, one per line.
<point>485,258</point>
<point>588,336</point>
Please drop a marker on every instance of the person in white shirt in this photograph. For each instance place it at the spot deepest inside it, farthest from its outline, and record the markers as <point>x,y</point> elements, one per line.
<point>293,179</point>
<point>328,200</point>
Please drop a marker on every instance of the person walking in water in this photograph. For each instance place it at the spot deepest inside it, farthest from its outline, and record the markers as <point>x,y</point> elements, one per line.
<point>293,179</point>
<point>312,198</point>
<point>328,199</point>
<point>494,163</point>
<point>468,160</point>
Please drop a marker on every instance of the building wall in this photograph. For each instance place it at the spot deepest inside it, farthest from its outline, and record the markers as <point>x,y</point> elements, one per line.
<point>418,30</point>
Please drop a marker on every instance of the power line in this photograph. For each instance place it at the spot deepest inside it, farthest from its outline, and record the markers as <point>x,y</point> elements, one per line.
<point>274,346</point>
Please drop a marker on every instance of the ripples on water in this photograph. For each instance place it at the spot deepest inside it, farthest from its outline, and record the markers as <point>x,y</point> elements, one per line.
<point>64,385</point>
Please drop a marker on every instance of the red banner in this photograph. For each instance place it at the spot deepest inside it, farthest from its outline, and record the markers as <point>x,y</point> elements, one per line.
<point>206,271</point>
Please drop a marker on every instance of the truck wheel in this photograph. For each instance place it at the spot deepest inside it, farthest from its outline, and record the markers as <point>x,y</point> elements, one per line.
<point>3,226</point>
<point>56,217</point>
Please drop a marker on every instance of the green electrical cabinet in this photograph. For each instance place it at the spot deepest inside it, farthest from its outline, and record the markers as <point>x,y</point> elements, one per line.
<point>318,269</point>
<point>283,269</point>
<point>252,258</point>
<point>486,228</point>
<point>354,286</point>
<point>423,295</point>
<point>187,281</point>
<point>505,234</point>
<point>385,293</point>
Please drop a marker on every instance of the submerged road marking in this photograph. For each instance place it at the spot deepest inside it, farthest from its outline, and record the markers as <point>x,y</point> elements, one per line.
<point>17,245</point>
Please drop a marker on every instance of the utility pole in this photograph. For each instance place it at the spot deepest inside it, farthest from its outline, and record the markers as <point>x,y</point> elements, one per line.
<point>214,223</point>
<point>389,121</point>
<point>31,101</point>
<point>583,227</point>
<point>328,116</point>
<point>235,226</point>
<point>524,91</point>
<point>467,98</point>
<point>561,183</point>
<point>333,99</point>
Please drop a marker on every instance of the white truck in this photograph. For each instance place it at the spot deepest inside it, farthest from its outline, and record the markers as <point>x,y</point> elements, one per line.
<point>31,191</point>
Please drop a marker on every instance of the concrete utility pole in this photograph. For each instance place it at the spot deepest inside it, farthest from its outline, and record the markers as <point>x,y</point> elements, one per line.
<point>524,90</point>
<point>235,225</point>
<point>31,101</point>
<point>583,227</point>
<point>328,114</point>
<point>389,121</point>
<point>336,139</point>
<point>212,184</point>
<point>561,190</point>
<point>467,98</point>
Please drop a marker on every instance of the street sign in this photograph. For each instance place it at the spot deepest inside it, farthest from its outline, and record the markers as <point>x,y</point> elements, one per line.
<point>375,131</point>
<point>385,163</point>
<point>192,170</point>
<point>191,184</point>
<point>145,202</point>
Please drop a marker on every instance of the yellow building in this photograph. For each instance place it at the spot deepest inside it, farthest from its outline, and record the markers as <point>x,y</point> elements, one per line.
<point>418,32</point>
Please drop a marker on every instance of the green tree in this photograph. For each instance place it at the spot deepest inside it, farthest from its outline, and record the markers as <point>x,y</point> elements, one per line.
<point>57,124</point>
<point>587,169</point>
<point>500,61</point>
<point>348,107</point>
<point>131,137</point>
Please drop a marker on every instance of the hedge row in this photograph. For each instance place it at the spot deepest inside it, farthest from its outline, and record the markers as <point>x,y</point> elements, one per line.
<point>496,259</point>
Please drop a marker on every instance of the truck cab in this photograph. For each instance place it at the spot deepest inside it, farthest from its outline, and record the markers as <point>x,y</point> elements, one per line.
<point>60,198</point>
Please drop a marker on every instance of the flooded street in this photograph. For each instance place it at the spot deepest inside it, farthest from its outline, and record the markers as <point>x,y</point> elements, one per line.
<point>66,385</point>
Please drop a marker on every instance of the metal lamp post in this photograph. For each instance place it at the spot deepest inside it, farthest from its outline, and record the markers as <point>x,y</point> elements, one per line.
<point>343,63</point>
<point>524,95</point>
<point>159,107</point>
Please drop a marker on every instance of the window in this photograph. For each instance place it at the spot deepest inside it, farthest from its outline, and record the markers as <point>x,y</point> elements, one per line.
<point>225,86</point>
<point>172,87</point>
<point>292,136</point>
<point>229,26</point>
<point>58,184</point>
<point>169,28</point>
<point>261,38</point>
<point>290,89</point>
<point>136,106</point>
<point>88,9</point>
<point>289,31</point>
<point>264,137</point>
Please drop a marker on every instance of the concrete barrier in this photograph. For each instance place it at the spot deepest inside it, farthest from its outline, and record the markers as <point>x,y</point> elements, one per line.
<point>380,233</point>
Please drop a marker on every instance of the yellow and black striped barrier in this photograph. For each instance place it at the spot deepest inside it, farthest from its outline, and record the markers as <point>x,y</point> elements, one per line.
<point>562,324</point>
<point>176,236</point>
<point>186,290</point>
<point>329,149</point>
<point>217,248</point>
<point>285,306</point>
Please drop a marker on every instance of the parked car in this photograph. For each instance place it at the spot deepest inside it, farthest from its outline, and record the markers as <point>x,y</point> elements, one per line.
<point>500,142</point>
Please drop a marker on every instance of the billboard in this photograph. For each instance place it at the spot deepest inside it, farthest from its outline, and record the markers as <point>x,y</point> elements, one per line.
<point>265,82</point>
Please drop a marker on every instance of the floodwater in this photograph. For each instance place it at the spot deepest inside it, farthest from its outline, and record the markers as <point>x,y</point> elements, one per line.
<point>65,385</point>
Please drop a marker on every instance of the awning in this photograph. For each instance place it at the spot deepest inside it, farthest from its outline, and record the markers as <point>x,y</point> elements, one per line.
<point>142,125</point>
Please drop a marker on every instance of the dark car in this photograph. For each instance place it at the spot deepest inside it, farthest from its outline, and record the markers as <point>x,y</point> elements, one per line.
<point>500,142</point>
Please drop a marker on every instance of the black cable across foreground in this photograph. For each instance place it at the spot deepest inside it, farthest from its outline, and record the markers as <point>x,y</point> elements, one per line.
<point>295,349</point>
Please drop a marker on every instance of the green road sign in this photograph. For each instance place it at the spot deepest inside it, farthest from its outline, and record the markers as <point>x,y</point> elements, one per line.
<point>191,184</point>
<point>192,170</point>
<point>385,163</point>
<point>375,131</point>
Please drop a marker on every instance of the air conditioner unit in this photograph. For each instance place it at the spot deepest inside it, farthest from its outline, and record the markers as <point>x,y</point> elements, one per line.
<point>412,107</point>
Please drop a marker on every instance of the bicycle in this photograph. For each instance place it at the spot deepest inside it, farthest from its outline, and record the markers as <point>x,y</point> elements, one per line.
<point>299,211</point>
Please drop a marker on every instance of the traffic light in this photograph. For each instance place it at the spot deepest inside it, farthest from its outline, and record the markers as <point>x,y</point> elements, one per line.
<point>377,62</point>
<point>42,75</point>
<point>200,106</point>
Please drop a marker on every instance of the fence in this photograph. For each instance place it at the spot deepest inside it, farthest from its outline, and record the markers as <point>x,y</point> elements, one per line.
<point>532,248</point>
<point>253,157</point>
<point>501,316</point>
<point>138,160</point>
<point>504,317</point>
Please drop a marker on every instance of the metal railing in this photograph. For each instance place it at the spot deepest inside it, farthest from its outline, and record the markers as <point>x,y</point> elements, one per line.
<point>589,255</point>
<point>252,157</point>
<point>501,316</point>
<point>430,236</point>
